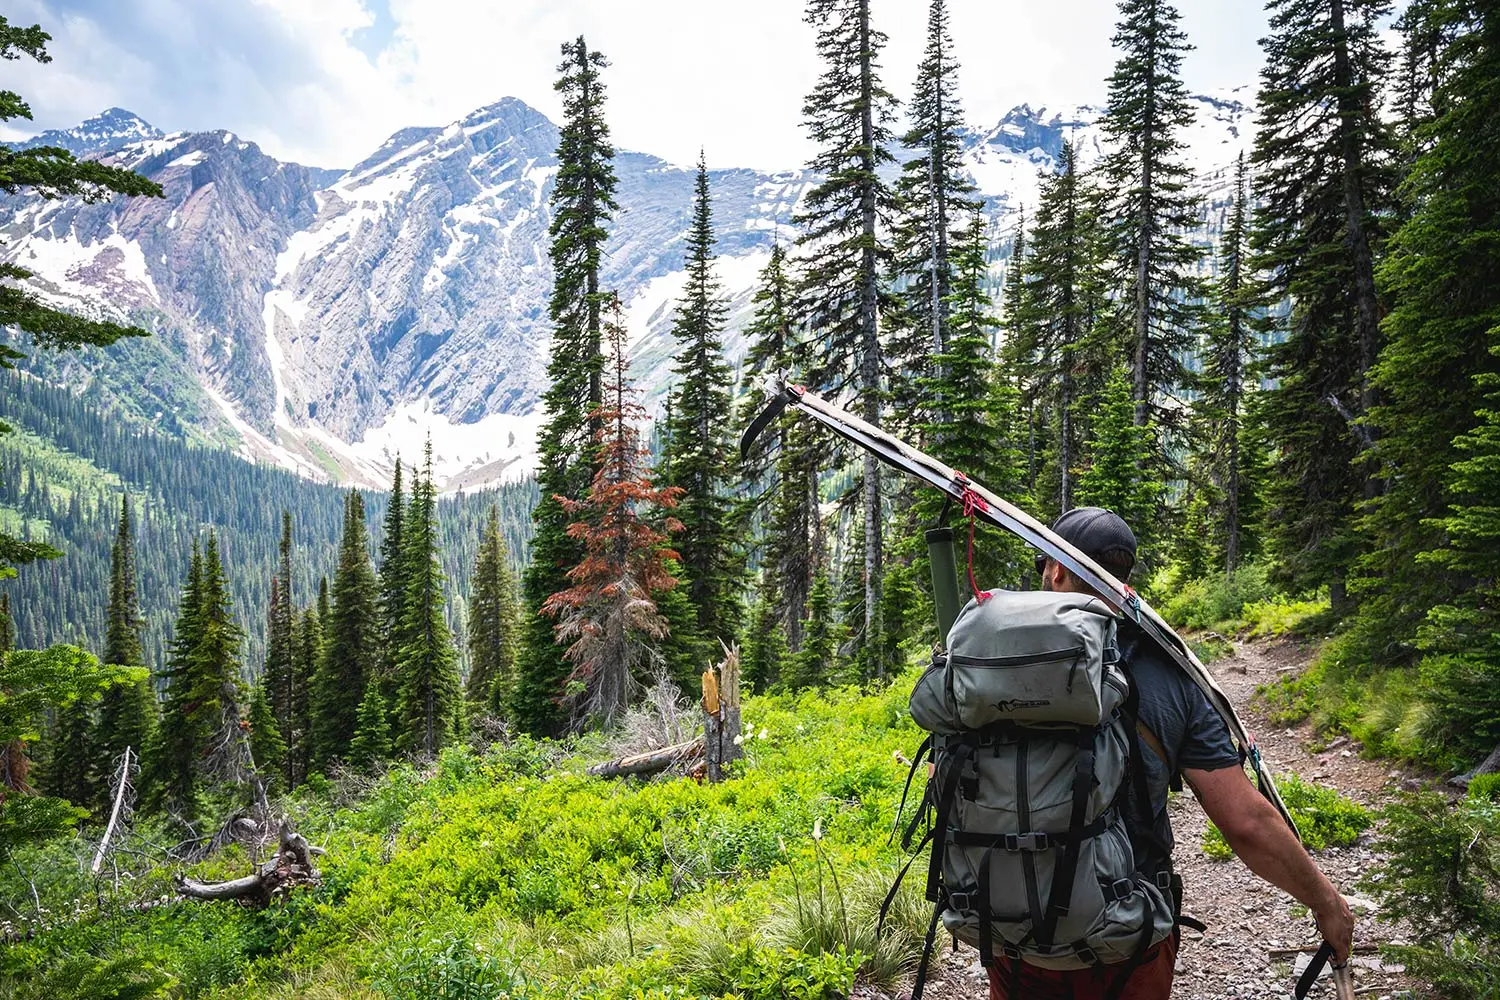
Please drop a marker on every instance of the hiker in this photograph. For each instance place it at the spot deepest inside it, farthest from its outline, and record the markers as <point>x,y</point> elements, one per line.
<point>1079,737</point>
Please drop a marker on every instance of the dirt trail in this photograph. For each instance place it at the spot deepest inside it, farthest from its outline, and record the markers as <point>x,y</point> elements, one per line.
<point>1248,918</point>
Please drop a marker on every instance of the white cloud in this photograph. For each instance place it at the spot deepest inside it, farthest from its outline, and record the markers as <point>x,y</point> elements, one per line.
<point>298,77</point>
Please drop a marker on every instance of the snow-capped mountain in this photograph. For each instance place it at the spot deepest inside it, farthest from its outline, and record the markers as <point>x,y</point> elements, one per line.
<point>332,319</point>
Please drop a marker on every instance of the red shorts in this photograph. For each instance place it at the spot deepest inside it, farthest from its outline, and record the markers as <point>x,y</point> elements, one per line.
<point>1151,980</point>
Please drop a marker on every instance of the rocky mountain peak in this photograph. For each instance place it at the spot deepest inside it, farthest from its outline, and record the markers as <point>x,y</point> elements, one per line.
<point>111,129</point>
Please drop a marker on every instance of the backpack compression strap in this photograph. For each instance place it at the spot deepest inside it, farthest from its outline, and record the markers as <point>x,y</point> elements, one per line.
<point>998,512</point>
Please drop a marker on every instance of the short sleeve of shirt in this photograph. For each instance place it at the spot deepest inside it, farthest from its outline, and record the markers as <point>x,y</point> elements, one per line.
<point>1178,714</point>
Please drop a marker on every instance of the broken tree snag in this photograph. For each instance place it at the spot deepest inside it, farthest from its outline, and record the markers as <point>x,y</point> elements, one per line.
<point>290,867</point>
<point>650,762</point>
<point>721,710</point>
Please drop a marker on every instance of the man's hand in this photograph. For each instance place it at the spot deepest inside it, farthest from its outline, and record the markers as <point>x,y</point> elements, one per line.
<point>1336,924</point>
<point>1256,832</point>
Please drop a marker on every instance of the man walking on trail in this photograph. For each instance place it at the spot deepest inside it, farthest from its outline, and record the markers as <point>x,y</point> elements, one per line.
<point>1188,742</point>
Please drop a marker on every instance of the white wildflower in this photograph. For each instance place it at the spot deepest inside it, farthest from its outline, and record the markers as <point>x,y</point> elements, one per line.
<point>818,828</point>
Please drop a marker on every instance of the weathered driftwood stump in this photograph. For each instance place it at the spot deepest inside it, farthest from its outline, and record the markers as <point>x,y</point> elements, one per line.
<point>291,866</point>
<point>721,712</point>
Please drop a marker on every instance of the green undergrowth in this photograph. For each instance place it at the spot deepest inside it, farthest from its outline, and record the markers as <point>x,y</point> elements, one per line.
<point>511,873</point>
<point>1324,818</point>
<point>1243,603</point>
<point>1440,713</point>
<point>1441,877</point>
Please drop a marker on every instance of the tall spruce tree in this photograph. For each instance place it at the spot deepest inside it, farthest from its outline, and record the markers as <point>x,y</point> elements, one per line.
<point>267,748</point>
<point>350,633</point>
<point>848,116</point>
<point>701,460</point>
<point>127,712</point>
<point>1119,475</point>
<point>815,663</point>
<point>785,461</point>
<point>583,203</point>
<point>392,607</point>
<point>307,640</point>
<point>429,696</point>
<point>494,621</point>
<point>1055,352</point>
<point>202,742</point>
<point>934,195</point>
<point>280,672</point>
<point>1151,212</point>
<point>1429,542</point>
<point>608,617</point>
<point>1324,183</point>
<point>1229,357</point>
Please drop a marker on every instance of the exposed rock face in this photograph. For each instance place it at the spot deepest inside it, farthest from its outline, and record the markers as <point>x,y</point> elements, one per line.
<point>335,318</point>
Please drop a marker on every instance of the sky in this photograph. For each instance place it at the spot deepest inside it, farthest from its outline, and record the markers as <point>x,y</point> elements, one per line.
<point>324,82</point>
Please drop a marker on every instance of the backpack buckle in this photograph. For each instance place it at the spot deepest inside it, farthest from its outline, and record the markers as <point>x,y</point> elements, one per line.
<point>960,901</point>
<point>1121,889</point>
<point>1027,842</point>
<point>1011,952</point>
<point>1164,879</point>
<point>1086,954</point>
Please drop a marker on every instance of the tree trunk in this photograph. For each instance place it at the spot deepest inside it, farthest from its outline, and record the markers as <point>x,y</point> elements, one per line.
<point>291,867</point>
<point>650,762</point>
<point>869,321</point>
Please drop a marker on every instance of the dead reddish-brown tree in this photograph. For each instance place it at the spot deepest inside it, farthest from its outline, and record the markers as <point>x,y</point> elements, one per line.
<point>608,617</point>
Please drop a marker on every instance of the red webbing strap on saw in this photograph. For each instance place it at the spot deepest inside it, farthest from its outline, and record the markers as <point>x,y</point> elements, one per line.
<point>972,504</point>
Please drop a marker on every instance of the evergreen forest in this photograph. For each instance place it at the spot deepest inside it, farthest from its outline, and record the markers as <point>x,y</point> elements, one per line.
<point>387,704</point>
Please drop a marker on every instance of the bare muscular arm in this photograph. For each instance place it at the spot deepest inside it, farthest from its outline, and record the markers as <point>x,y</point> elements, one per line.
<point>1262,840</point>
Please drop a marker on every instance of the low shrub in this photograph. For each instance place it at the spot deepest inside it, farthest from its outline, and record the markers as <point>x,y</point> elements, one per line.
<point>1324,818</point>
<point>1215,601</point>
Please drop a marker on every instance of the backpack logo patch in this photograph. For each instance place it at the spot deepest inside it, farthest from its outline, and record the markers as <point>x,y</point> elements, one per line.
<point>1012,704</point>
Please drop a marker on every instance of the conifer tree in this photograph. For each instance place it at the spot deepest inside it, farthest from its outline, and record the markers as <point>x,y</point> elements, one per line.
<point>267,748</point>
<point>350,633</point>
<point>583,203</point>
<point>701,458</point>
<point>765,651</point>
<point>309,652</point>
<point>786,460</point>
<point>816,662</point>
<point>71,770</point>
<point>174,758</point>
<point>1324,184</point>
<point>848,116</point>
<point>1054,351</point>
<point>372,731</point>
<point>429,692</point>
<point>280,671</point>
<point>201,741</point>
<point>934,195</point>
<point>494,621</point>
<point>392,606</point>
<point>1229,356</point>
<point>771,347</point>
<point>1119,476</point>
<point>1151,210</point>
<point>127,712</point>
<point>608,618</point>
<point>1438,369</point>
<point>7,625</point>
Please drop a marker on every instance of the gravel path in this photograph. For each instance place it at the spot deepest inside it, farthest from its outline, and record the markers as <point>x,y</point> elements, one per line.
<point>1248,918</point>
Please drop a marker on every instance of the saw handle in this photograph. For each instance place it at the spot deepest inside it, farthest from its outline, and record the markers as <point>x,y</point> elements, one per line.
<point>1341,980</point>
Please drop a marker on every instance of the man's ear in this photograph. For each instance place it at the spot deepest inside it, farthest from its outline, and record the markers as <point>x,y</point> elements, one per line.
<point>1057,575</point>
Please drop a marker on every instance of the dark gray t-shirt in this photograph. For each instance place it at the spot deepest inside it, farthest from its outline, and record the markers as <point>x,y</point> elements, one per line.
<point>1191,732</point>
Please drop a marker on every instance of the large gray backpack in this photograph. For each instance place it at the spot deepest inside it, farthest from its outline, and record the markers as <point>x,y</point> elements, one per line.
<point>1033,731</point>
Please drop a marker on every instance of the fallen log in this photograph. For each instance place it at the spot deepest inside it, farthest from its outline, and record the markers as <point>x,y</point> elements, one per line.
<point>650,762</point>
<point>290,867</point>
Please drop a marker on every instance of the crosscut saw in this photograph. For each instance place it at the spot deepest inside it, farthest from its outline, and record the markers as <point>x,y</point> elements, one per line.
<point>996,511</point>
